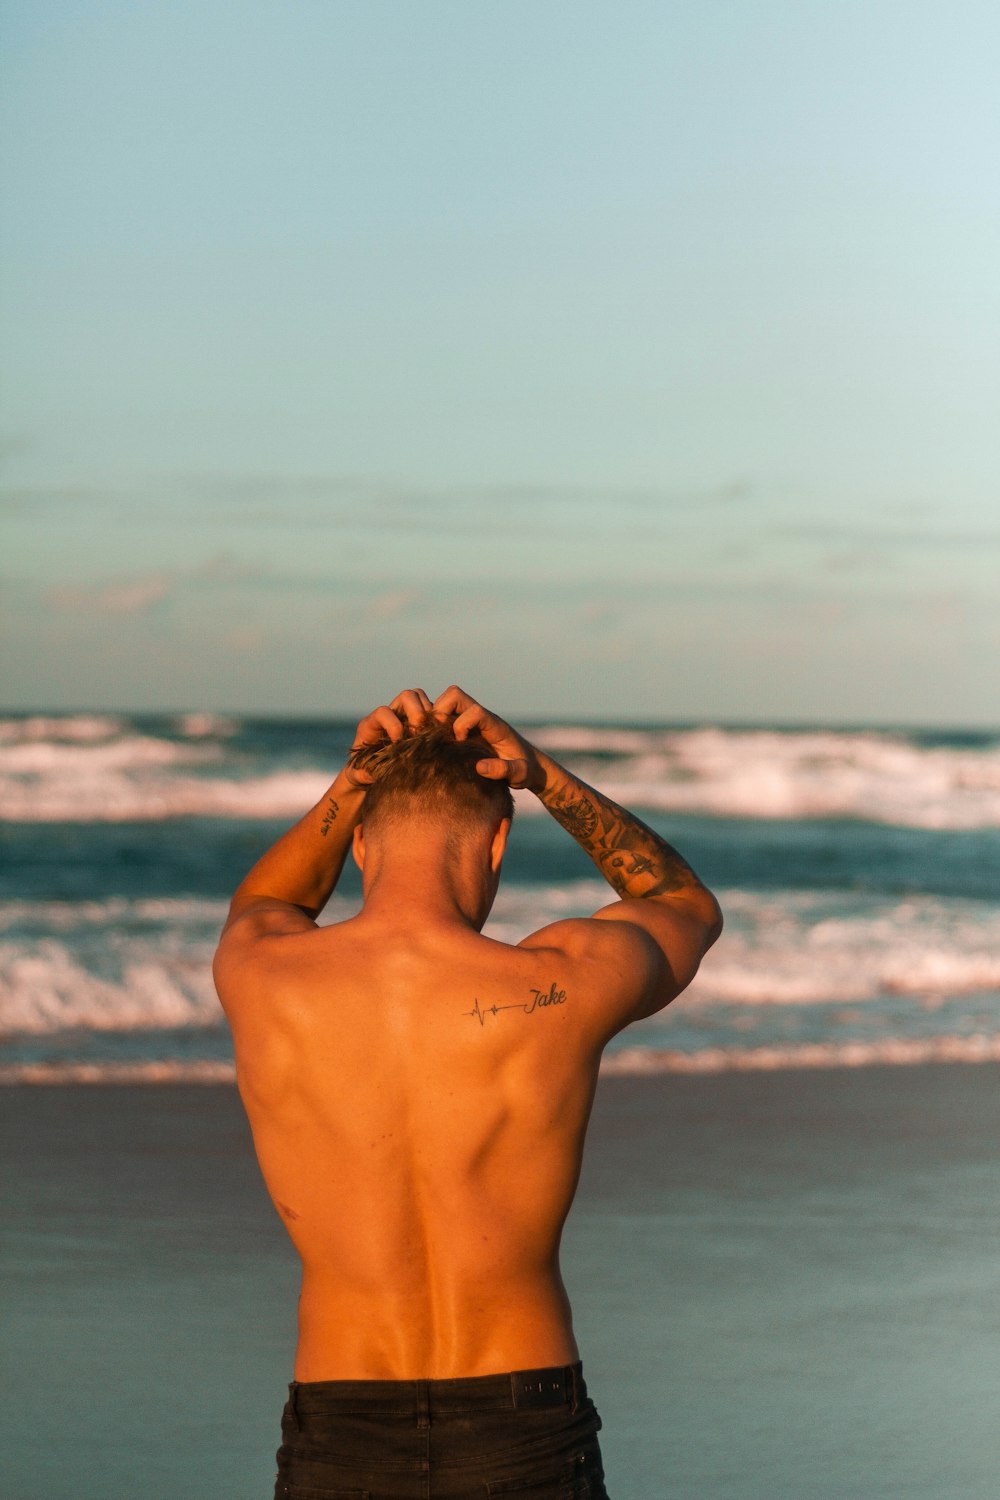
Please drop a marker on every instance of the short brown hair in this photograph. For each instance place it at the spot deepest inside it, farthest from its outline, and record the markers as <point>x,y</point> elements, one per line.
<point>432,772</point>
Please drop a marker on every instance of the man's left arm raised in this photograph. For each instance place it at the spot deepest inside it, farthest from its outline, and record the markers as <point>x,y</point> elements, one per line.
<point>289,886</point>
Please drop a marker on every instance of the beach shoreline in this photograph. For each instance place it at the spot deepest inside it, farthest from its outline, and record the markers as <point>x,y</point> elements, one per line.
<point>623,1062</point>
<point>783,1284</point>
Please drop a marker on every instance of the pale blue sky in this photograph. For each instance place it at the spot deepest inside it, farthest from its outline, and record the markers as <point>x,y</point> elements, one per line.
<point>619,359</point>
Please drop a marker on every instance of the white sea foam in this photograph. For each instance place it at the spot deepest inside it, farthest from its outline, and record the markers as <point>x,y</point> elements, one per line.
<point>130,781</point>
<point>168,1071</point>
<point>582,739</point>
<point>888,1052</point>
<point>874,777</point>
<point>626,1062</point>
<point>93,762</point>
<point>114,912</point>
<point>795,947</point>
<point>799,948</point>
<point>73,728</point>
<point>115,965</point>
<point>45,988</point>
<point>122,965</point>
<point>82,769</point>
<point>201,725</point>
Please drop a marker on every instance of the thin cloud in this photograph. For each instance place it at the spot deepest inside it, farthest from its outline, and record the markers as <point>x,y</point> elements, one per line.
<point>133,596</point>
<point>597,616</point>
<point>244,640</point>
<point>390,605</point>
<point>857,560</point>
<point>855,538</point>
<point>376,503</point>
<point>369,488</point>
<point>28,498</point>
<point>139,593</point>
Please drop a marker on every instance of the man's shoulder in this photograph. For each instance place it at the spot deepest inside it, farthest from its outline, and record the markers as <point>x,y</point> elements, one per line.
<point>613,965</point>
<point>589,940</point>
<point>259,917</point>
<point>264,940</point>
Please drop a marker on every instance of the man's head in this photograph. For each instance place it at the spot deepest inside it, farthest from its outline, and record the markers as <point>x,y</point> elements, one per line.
<point>431,776</point>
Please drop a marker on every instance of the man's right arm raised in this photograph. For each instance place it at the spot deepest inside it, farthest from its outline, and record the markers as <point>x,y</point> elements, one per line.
<point>670,918</point>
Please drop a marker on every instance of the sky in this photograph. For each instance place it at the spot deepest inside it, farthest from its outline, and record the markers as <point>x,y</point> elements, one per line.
<point>633,360</point>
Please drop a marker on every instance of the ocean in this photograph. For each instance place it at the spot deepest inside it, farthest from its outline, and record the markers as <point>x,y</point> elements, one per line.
<point>782,1256</point>
<point>858,870</point>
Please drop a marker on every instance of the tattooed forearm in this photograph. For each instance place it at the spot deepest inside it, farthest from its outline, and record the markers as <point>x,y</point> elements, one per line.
<point>578,816</point>
<point>329,817</point>
<point>630,856</point>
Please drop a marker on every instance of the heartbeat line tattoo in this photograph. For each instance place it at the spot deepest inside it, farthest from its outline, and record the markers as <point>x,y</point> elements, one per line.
<point>478,1014</point>
<point>540,999</point>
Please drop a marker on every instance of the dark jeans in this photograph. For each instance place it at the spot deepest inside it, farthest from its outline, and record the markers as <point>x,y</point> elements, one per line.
<point>530,1435</point>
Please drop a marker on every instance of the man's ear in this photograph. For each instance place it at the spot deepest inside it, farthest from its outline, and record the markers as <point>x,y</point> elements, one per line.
<point>358,845</point>
<point>499,844</point>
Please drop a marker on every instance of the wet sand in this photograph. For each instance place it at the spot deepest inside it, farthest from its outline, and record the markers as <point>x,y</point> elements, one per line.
<point>785,1285</point>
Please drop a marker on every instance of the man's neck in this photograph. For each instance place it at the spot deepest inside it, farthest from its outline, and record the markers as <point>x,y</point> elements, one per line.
<point>410,895</point>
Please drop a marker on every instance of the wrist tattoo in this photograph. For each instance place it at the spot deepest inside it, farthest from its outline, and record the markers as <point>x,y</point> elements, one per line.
<point>329,817</point>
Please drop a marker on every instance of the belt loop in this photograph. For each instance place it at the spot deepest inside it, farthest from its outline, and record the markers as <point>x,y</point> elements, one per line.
<point>574,1388</point>
<point>423,1405</point>
<point>293,1405</point>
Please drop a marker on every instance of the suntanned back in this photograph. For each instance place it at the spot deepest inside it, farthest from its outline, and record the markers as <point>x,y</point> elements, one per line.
<point>419,1093</point>
<point>418,1098</point>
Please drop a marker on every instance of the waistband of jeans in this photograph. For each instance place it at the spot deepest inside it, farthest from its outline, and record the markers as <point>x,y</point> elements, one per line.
<point>556,1385</point>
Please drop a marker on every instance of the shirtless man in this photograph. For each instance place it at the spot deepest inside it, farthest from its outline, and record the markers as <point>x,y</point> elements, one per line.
<point>418,1096</point>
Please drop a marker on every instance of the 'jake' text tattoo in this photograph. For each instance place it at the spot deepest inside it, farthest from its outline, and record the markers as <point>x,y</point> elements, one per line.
<point>329,817</point>
<point>540,1000</point>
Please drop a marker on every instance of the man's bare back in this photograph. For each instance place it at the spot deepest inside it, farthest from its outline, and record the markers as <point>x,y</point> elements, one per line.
<point>418,1093</point>
<point>418,1102</point>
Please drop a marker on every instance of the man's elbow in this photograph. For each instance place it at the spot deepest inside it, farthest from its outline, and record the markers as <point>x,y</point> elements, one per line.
<point>717,922</point>
<point>708,912</point>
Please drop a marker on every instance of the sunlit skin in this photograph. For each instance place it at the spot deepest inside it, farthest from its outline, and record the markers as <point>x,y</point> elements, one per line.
<point>419,1093</point>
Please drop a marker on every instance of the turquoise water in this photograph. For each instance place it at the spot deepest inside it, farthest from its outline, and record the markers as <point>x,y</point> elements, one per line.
<point>784,1286</point>
<point>858,871</point>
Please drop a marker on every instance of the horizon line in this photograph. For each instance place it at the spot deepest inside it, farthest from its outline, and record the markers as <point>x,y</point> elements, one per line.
<point>583,721</point>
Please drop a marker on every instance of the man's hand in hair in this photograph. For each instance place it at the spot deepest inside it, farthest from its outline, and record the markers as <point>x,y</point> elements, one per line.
<point>514,760</point>
<point>386,724</point>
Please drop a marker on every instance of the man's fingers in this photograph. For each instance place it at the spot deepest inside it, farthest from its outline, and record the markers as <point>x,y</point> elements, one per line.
<point>493,770</point>
<point>390,722</point>
<point>409,694</point>
<point>475,717</point>
<point>380,721</point>
<point>513,771</point>
<point>413,704</point>
<point>454,700</point>
<point>408,710</point>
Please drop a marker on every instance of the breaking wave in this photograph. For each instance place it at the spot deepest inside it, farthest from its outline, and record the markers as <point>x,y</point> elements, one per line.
<point>870,777</point>
<point>99,768</point>
<point>804,947</point>
<point>145,965</point>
